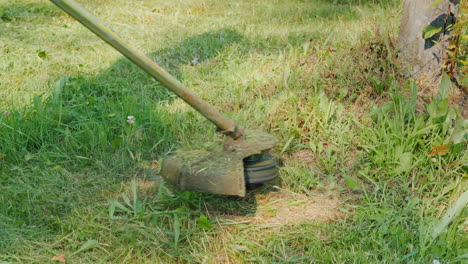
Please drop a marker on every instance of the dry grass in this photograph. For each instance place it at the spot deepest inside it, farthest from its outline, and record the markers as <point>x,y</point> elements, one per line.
<point>286,208</point>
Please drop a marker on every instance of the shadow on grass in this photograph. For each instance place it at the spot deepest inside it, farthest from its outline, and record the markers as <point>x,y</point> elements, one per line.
<point>235,206</point>
<point>83,127</point>
<point>126,77</point>
<point>28,12</point>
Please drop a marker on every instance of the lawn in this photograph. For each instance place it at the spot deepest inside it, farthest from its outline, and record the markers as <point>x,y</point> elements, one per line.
<point>369,166</point>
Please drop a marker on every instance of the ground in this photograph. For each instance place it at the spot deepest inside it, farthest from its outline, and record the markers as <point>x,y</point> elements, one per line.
<point>370,165</point>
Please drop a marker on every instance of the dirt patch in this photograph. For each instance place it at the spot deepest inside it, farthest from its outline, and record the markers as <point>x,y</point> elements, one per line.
<point>283,208</point>
<point>221,258</point>
<point>144,186</point>
<point>310,159</point>
<point>304,155</point>
<point>351,158</point>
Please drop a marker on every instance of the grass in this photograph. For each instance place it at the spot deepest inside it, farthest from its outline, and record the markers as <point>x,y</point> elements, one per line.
<point>321,76</point>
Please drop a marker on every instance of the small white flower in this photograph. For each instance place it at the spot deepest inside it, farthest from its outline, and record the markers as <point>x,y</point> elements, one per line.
<point>131,120</point>
<point>435,261</point>
<point>434,160</point>
<point>7,113</point>
<point>195,61</point>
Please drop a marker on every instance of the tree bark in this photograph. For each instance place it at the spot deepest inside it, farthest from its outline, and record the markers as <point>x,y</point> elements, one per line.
<point>425,57</point>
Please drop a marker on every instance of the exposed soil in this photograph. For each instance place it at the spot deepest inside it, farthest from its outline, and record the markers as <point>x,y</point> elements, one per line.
<point>310,159</point>
<point>283,208</point>
<point>144,187</point>
<point>304,155</point>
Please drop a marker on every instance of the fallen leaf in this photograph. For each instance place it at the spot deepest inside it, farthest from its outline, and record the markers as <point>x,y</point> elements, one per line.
<point>60,258</point>
<point>441,150</point>
<point>42,54</point>
<point>2,155</point>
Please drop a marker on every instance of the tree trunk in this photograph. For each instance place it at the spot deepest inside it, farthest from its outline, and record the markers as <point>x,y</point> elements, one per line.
<point>425,57</point>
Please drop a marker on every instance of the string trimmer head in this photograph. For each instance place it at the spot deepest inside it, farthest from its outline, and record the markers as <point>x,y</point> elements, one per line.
<point>243,162</point>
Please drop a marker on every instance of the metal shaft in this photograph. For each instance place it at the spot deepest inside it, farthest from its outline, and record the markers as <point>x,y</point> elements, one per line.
<point>226,125</point>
